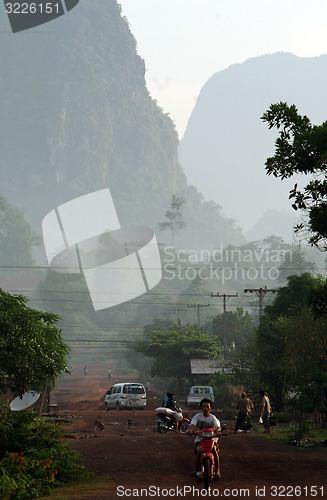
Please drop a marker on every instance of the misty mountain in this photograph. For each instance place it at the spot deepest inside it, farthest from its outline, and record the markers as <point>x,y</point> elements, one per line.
<point>76,117</point>
<point>225,145</point>
<point>276,222</point>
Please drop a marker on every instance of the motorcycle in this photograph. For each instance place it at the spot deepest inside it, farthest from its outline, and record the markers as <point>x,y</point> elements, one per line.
<point>166,423</point>
<point>208,465</point>
<point>245,422</point>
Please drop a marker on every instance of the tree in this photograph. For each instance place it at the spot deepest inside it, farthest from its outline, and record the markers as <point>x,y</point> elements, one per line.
<point>269,359</point>
<point>275,347</point>
<point>293,297</point>
<point>301,148</point>
<point>318,297</point>
<point>32,352</point>
<point>306,353</point>
<point>294,263</point>
<point>290,354</point>
<point>16,236</point>
<point>175,220</point>
<point>233,328</point>
<point>290,346</point>
<point>172,350</point>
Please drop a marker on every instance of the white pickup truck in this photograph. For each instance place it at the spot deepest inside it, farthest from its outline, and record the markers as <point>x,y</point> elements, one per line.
<point>198,392</point>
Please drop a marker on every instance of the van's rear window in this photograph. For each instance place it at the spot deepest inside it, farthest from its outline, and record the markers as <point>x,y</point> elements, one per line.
<point>133,389</point>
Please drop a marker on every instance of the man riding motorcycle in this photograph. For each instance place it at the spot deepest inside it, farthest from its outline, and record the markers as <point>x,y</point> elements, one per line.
<point>201,421</point>
<point>171,405</point>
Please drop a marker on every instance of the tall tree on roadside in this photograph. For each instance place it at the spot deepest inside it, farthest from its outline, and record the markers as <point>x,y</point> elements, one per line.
<point>269,358</point>
<point>290,354</point>
<point>288,349</point>
<point>292,297</point>
<point>306,354</point>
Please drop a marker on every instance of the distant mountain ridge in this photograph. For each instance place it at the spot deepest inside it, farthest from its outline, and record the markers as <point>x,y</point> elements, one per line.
<point>226,144</point>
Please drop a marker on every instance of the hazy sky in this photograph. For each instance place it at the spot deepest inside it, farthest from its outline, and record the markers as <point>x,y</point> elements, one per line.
<point>183,42</point>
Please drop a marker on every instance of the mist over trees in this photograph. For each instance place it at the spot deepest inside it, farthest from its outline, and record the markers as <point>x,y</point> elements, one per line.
<point>16,236</point>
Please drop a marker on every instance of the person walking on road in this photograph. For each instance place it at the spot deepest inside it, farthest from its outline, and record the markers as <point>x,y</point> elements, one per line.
<point>244,407</point>
<point>265,411</point>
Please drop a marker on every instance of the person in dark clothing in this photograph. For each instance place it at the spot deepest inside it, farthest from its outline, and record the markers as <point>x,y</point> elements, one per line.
<point>244,407</point>
<point>171,405</point>
<point>165,400</point>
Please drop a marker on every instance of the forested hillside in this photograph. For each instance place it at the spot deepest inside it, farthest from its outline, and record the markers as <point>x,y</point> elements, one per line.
<point>76,117</point>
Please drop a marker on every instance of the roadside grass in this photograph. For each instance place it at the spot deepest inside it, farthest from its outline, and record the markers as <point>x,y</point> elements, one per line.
<point>288,433</point>
<point>86,488</point>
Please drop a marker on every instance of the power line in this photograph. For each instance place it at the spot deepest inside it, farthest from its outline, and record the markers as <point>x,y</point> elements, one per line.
<point>113,293</point>
<point>224,297</point>
<point>260,292</point>
<point>198,306</point>
<point>171,268</point>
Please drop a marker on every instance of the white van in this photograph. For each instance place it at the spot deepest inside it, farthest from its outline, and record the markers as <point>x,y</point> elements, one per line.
<point>125,395</point>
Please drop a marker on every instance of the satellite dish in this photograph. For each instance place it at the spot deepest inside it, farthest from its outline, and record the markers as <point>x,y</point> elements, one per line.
<point>21,402</point>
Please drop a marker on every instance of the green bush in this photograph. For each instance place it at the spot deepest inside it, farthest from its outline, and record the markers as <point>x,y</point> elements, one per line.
<point>125,368</point>
<point>283,417</point>
<point>33,457</point>
<point>220,383</point>
<point>296,434</point>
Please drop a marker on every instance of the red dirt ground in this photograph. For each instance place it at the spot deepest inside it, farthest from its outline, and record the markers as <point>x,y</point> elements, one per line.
<point>139,462</point>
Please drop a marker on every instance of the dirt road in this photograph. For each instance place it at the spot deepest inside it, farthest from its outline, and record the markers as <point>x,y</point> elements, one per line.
<point>139,462</point>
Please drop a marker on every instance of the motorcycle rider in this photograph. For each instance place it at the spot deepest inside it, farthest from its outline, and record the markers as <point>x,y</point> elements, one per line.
<point>171,405</point>
<point>201,421</point>
<point>165,400</point>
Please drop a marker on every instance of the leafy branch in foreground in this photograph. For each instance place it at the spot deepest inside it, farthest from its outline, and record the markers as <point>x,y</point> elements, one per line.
<point>301,148</point>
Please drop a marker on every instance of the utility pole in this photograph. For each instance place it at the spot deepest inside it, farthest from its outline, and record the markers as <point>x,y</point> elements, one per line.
<point>177,311</point>
<point>260,292</point>
<point>198,309</point>
<point>224,297</point>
